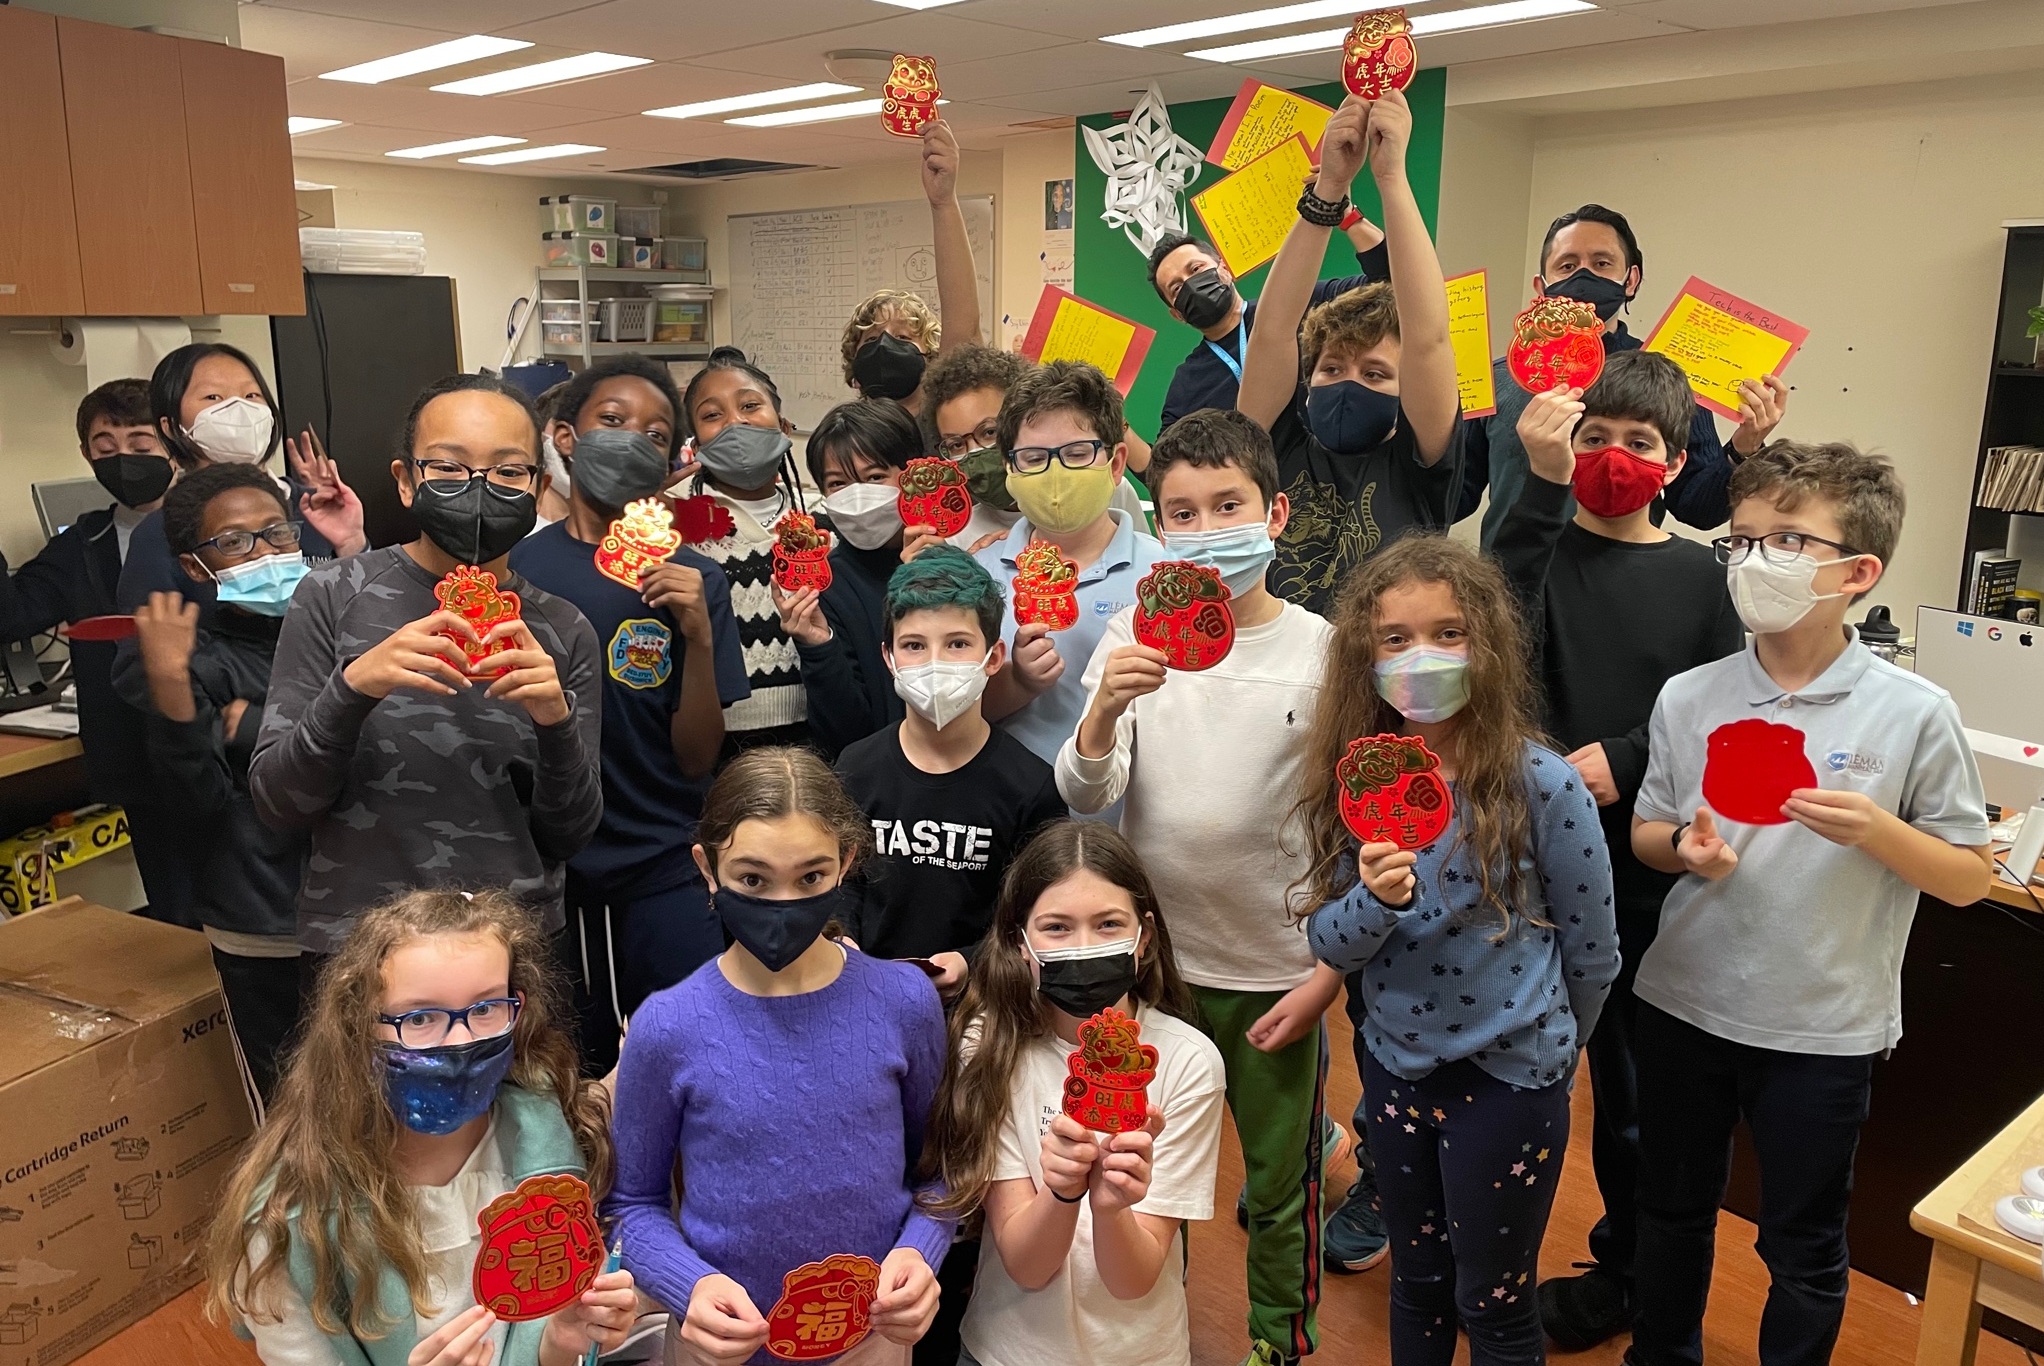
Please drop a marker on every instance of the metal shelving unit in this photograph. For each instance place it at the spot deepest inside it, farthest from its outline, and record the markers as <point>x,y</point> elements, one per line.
<point>592,284</point>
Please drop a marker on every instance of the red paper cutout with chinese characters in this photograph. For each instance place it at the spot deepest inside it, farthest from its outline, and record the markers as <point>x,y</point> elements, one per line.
<point>801,553</point>
<point>1750,769</point>
<point>1378,54</point>
<point>472,594</point>
<point>933,494</point>
<point>1046,587</point>
<point>1108,1076</point>
<point>100,628</point>
<point>826,1308</point>
<point>702,518</point>
<point>1556,341</point>
<point>1391,791</point>
<point>541,1248</point>
<point>643,537</point>
<point>909,96</point>
<point>1182,609</point>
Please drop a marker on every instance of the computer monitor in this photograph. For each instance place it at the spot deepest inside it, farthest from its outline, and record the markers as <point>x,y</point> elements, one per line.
<point>1994,670</point>
<point>60,502</point>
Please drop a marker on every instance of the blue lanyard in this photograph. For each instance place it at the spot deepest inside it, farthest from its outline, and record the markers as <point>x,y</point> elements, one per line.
<point>1241,341</point>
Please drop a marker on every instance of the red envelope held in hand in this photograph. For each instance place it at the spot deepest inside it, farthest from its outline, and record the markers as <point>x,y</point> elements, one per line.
<point>933,494</point>
<point>1108,1075</point>
<point>1392,791</point>
<point>826,1308</point>
<point>1046,587</point>
<point>1378,54</point>
<point>643,537</point>
<point>1556,341</point>
<point>702,518</point>
<point>1750,769</point>
<point>473,594</point>
<point>100,628</point>
<point>909,97</point>
<point>1182,609</point>
<point>542,1247</point>
<point>801,553</point>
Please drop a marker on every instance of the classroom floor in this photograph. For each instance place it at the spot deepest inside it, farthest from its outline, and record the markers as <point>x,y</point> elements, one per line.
<point>1880,1322</point>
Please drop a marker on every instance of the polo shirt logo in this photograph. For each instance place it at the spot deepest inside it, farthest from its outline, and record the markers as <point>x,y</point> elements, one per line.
<point>641,653</point>
<point>1858,765</point>
<point>1103,608</point>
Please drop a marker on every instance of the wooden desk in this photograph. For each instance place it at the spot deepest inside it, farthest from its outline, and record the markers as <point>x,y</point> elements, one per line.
<point>21,753</point>
<point>1968,1269</point>
<point>2016,896</point>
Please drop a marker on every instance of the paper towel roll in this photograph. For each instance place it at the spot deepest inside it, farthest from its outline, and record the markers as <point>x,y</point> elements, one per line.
<point>117,348</point>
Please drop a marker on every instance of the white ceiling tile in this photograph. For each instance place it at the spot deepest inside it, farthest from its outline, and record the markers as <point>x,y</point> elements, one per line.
<point>668,31</point>
<point>641,88</point>
<point>1510,40</point>
<point>455,16</point>
<point>409,107</point>
<point>932,33</point>
<point>1742,13</point>
<point>997,78</point>
<point>312,43</point>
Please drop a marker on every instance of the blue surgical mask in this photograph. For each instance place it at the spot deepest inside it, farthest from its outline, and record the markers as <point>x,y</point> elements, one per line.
<point>263,586</point>
<point>1350,418</point>
<point>437,1090</point>
<point>1425,684</point>
<point>1240,554</point>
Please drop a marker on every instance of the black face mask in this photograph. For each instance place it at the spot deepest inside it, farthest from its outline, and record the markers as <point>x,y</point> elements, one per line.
<point>614,467</point>
<point>888,367</point>
<point>473,521</point>
<point>133,479</point>
<point>1084,986</point>
<point>1606,296</point>
<point>777,932</point>
<point>1204,299</point>
<point>1350,418</point>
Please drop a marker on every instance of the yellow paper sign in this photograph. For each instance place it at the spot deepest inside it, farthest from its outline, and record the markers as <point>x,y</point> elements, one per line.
<point>1066,327</point>
<point>1262,117</point>
<point>1469,335</point>
<point>1719,339</point>
<point>1248,214</point>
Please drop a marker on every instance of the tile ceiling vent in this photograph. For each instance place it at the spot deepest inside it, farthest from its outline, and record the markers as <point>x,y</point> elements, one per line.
<point>720,168</point>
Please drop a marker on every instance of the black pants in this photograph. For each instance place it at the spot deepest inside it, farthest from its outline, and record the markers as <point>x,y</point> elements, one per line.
<point>1804,1112</point>
<point>262,1007</point>
<point>1614,1082</point>
<point>940,1346</point>
<point>618,950</point>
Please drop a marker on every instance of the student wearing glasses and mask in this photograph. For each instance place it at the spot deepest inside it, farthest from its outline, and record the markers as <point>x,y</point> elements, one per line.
<point>404,767</point>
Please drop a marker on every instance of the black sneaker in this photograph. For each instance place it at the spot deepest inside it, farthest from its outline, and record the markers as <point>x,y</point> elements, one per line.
<point>1579,1312</point>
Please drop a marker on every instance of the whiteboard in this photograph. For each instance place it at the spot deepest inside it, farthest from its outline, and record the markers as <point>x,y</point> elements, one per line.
<point>797,277</point>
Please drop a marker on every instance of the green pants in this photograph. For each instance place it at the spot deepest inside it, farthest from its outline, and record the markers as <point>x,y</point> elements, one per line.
<point>1277,1100</point>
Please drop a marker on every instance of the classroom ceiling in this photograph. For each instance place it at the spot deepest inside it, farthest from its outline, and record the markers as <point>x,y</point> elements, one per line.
<point>1010,66</point>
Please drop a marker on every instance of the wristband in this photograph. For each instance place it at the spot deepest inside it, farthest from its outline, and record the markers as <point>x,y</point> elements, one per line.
<point>1675,840</point>
<point>1351,218</point>
<point>1062,1200</point>
<point>1322,213</point>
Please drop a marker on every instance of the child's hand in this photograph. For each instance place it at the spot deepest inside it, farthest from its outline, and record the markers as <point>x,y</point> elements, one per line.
<point>1341,148</point>
<point>951,971</point>
<point>1296,1014</point>
<point>802,615</point>
<point>918,538</point>
<point>1593,766</point>
<point>1068,1155</point>
<point>1846,818</point>
<point>168,631</point>
<point>1762,404</point>
<point>603,1314</point>
<point>525,673</point>
<point>721,1324</point>
<point>416,655</point>
<point>458,1342</point>
<point>1390,134</point>
<point>679,589</point>
<point>1387,871</point>
<point>1037,663</point>
<point>1547,429</point>
<point>907,1301</point>
<point>1702,851</point>
<point>1132,671</point>
<point>940,162</point>
<point>1122,1180</point>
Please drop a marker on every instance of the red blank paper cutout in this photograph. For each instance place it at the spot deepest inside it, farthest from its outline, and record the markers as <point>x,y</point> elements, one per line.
<point>1750,769</point>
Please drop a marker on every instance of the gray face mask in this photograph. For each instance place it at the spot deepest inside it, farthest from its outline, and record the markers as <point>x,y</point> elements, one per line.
<point>614,467</point>
<point>744,456</point>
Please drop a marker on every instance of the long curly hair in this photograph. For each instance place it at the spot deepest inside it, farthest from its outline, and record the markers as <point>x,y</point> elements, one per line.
<point>884,306</point>
<point>1002,1012</point>
<point>328,1147</point>
<point>1491,733</point>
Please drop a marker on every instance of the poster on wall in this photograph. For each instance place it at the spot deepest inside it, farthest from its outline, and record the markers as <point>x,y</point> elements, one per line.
<point>1719,339</point>
<point>1056,256</point>
<point>1066,327</point>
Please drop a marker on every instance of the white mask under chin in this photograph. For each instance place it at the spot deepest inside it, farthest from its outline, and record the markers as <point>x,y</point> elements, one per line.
<point>943,690</point>
<point>1772,597</point>
<point>234,431</point>
<point>867,515</point>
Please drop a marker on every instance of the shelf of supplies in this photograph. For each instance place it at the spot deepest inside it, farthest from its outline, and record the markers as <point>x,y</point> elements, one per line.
<point>678,350</point>
<point>620,275</point>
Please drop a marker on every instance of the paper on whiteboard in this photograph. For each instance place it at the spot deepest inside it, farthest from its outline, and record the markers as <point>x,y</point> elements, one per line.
<point>1147,168</point>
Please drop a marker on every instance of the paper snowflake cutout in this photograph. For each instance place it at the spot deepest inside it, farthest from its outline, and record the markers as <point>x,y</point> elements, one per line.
<point>1147,168</point>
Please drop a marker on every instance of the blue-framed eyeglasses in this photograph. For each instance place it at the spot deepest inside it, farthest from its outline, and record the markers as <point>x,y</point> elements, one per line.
<point>431,1026</point>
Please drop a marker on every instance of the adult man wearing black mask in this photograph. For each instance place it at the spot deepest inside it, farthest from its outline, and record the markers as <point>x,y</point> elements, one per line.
<point>1200,292</point>
<point>1592,256</point>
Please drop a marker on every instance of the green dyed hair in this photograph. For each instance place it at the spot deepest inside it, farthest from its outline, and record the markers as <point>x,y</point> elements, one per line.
<point>944,576</point>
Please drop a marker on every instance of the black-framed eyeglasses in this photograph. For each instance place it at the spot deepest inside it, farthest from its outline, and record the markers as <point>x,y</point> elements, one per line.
<point>978,439</point>
<point>511,476</point>
<point>277,535</point>
<point>1073,455</point>
<point>430,1027</point>
<point>1777,547</point>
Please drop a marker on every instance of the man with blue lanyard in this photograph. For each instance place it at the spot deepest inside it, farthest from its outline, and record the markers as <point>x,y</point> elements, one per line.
<point>1189,276</point>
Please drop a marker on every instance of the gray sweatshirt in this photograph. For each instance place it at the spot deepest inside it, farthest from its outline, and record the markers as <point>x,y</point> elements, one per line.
<point>420,790</point>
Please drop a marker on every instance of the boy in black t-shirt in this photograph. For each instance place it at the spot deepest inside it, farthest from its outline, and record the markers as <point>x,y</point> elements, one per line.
<point>1366,451</point>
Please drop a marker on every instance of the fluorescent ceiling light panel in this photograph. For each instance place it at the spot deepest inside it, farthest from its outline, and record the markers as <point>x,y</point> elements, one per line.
<point>448,149</point>
<point>822,113</point>
<point>732,104</point>
<point>299,125</point>
<point>1448,21</point>
<point>473,48</point>
<point>1233,23</point>
<point>918,4</point>
<point>543,73</point>
<point>557,149</point>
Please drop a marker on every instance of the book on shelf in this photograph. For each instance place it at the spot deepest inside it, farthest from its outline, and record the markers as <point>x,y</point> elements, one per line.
<point>2012,479</point>
<point>1992,589</point>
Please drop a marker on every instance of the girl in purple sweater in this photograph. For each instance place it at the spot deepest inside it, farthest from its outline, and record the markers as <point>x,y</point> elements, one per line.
<point>792,1076</point>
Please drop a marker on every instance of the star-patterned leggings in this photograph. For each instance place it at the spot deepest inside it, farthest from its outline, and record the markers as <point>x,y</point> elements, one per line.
<point>1467,1167</point>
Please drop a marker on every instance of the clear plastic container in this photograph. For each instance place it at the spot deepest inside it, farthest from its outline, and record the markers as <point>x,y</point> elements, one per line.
<point>577,213</point>
<point>563,334</point>
<point>579,248</point>
<point>638,220</point>
<point>638,253</point>
<point>627,320</point>
<point>684,253</point>
<point>569,310</point>
<point>361,251</point>
<point>681,320</point>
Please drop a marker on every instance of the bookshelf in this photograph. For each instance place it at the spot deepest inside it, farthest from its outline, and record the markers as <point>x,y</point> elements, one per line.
<point>2015,408</point>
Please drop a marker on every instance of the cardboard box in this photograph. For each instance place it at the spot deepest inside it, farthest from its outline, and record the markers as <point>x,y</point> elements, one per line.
<point>124,1112</point>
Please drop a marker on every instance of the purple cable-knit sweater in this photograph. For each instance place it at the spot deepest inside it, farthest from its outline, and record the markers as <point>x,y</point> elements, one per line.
<point>799,1121</point>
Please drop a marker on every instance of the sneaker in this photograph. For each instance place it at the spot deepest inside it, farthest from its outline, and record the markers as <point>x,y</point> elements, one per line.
<point>1353,1238</point>
<point>1263,1354</point>
<point>1335,1144</point>
<point>1579,1312</point>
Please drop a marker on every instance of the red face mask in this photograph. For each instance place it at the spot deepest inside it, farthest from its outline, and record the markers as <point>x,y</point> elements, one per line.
<point>1613,482</point>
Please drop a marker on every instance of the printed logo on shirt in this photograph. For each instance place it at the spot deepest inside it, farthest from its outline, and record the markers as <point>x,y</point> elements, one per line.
<point>936,844</point>
<point>640,653</point>
<point>1858,765</point>
<point>1103,608</point>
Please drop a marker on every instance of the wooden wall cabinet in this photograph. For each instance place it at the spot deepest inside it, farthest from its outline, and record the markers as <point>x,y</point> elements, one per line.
<point>38,230</point>
<point>243,189</point>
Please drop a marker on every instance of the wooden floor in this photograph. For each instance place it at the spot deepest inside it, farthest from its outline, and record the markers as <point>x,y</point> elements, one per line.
<point>1880,1322</point>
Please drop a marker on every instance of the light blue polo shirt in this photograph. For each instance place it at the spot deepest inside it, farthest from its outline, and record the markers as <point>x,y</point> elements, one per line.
<point>1106,586</point>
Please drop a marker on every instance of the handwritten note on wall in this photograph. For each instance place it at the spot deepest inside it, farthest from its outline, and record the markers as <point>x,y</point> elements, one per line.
<point>1066,327</point>
<point>1469,335</point>
<point>1720,339</point>
<point>1263,117</point>
<point>1248,214</point>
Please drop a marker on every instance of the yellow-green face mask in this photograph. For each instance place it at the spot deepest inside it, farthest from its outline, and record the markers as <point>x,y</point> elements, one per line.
<point>1060,500</point>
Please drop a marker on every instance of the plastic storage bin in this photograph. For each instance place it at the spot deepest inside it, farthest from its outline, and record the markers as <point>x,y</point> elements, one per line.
<point>684,253</point>
<point>639,253</point>
<point>564,333</point>
<point>361,251</point>
<point>577,213</point>
<point>580,248</point>
<point>678,320</point>
<point>570,310</point>
<point>627,320</point>
<point>638,220</point>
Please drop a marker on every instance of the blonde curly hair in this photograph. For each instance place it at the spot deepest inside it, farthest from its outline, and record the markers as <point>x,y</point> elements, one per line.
<point>1351,322</point>
<point>883,307</point>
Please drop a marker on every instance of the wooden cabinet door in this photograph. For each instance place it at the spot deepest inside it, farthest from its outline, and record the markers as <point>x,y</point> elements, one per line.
<point>243,198</point>
<point>130,179</point>
<point>38,228</point>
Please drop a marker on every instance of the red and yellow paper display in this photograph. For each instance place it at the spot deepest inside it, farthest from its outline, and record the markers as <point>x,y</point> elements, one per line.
<point>1555,341</point>
<point>1719,339</point>
<point>1262,117</point>
<point>825,1309</point>
<point>541,1248</point>
<point>909,98</point>
<point>1182,612</point>
<point>643,537</point>
<point>1469,337</point>
<point>1066,327</point>
<point>1389,791</point>
<point>1107,1077</point>
<point>801,556</point>
<point>1046,587</point>
<point>1378,54</point>
<point>1248,214</point>
<point>473,595</point>
<point>933,494</point>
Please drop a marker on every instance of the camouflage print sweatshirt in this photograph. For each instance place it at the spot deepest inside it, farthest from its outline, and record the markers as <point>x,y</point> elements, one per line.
<point>420,790</point>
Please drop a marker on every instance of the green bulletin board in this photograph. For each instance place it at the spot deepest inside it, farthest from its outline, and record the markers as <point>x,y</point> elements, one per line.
<point>1109,271</point>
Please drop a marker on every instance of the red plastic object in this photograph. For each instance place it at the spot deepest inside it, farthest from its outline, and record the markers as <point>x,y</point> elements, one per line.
<point>1109,1074</point>
<point>933,494</point>
<point>1182,609</point>
<point>801,553</point>
<point>1392,791</point>
<point>643,537</point>
<point>1556,341</point>
<point>909,96</point>
<point>541,1248</point>
<point>1046,587</point>
<point>702,518</point>
<point>1379,55</point>
<point>825,1309</point>
<point>101,628</point>
<point>473,594</point>
<point>1750,769</point>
